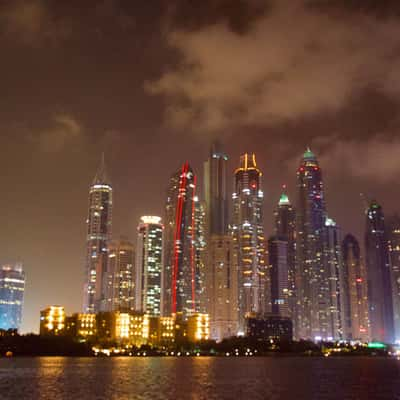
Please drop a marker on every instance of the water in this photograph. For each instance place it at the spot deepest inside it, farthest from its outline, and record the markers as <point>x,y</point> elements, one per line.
<point>208,378</point>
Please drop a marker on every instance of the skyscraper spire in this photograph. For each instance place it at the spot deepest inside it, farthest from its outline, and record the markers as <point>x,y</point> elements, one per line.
<point>101,176</point>
<point>284,199</point>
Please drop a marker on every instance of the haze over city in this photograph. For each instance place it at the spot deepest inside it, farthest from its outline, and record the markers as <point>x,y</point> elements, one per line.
<point>153,85</point>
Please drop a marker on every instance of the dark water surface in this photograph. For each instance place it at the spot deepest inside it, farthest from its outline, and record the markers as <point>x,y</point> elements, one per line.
<point>199,378</point>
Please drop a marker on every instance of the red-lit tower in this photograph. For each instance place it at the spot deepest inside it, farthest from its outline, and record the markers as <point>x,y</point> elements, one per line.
<point>179,277</point>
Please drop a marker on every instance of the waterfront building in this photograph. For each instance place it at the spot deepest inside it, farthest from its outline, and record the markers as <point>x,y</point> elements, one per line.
<point>392,225</point>
<point>12,287</point>
<point>119,292</point>
<point>354,300</point>
<point>52,321</point>
<point>179,280</point>
<point>222,287</point>
<point>312,285</point>
<point>248,234</point>
<point>379,276</point>
<point>99,223</point>
<point>332,268</point>
<point>269,327</point>
<point>285,228</point>
<point>198,327</point>
<point>149,265</point>
<point>278,267</point>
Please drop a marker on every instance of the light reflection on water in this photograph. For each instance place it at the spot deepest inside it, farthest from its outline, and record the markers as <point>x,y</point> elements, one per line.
<point>198,378</point>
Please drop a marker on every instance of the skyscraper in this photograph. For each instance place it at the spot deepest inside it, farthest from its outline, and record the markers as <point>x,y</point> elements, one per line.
<point>331,274</point>
<point>99,224</point>
<point>179,281</point>
<point>393,235</point>
<point>222,284</point>
<point>119,292</point>
<point>12,287</point>
<point>379,275</point>
<point>285,228</point>
<point>216,201</point>
<point>278,264</point>
<point>354,300</point>
<point>310,276</point>
<point>149,265</point>
<point>248,234</point>
<point>200,247</point>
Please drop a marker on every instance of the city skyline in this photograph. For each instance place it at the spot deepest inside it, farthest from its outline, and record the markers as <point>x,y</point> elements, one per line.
<point>120,92</point>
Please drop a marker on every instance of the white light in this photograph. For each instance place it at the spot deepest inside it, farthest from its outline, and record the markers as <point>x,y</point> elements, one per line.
<point>150,219</point>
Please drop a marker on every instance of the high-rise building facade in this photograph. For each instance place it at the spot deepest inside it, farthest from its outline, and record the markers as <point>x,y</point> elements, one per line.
<point>222,284</point>
<point>12,287</point>
<point>215,190</point>
<point>278,267</point>
<point>248,234</point>
<point>99,223</point>
<point>312,286</point>
<point>179,280</point>
<point>393,235</point>
<point>332,269</point>
<point>285,228</point>
<point>354,300</point>
<point>149,265</point>
<point>200,255</point>
<point>379,275</point>
<point>119,285</point>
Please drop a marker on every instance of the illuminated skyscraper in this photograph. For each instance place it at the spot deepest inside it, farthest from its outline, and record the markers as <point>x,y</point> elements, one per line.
<point>285,228</point>
<point>278,264</point>
<point>312,286</point>
<point>379,276</point>
<point>12,287</point>
<point>393,235</point>
<point>99,224</point>
<point>149,265</point>
<point>179,280</point>
<point>200,255</point>
<point>119,290</point>
<point>222,285</point>
<point>216,201</point>
<point>331,279</point>
<point>248,233</point>
<point>354,300</point>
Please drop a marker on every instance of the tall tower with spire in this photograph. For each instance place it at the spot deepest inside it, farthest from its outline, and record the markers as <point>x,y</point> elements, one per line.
<point>248,234</point>
<point>285,229</point>
<point>310,276</point>
<point>99,223</point>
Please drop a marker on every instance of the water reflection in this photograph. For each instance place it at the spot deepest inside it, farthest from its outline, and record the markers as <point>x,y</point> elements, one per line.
<point>199,378</point>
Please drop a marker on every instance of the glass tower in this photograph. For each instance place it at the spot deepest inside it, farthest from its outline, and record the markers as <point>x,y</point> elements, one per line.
<point>179,280</point>
<point>99,224</point>
<point>312,286</point>
<point>248,234</point>
<point>285,229</point>
<point>354,300</point>
<point>149,265</point>
<point>379,276</point>
<point>12,286</point>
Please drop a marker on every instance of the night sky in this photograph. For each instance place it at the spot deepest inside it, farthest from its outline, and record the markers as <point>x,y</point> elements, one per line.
<point>152,83</point>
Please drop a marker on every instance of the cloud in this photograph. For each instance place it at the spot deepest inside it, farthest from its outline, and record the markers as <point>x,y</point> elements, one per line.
<point>371,159</point>
<point>31,22</point>
<point>296,61</point>
<point>64,131</point>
